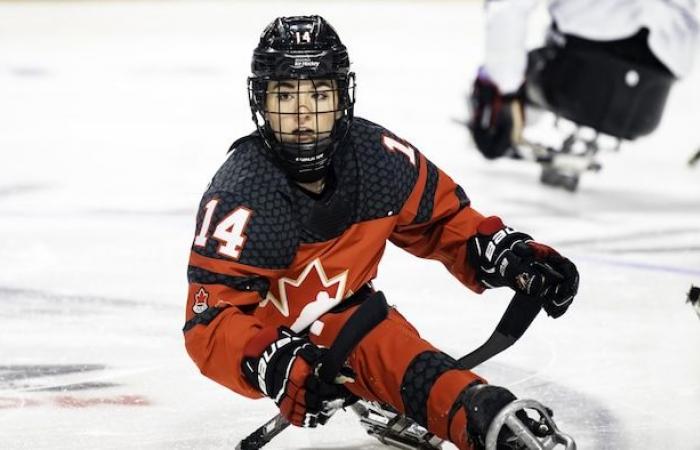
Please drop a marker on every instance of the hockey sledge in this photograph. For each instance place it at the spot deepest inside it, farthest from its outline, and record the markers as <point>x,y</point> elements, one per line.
<point>398,431</point>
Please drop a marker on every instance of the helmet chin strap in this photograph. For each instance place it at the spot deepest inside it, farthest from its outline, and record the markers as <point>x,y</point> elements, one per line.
<point>308,176</point>
<point>315,186</point>
<point>305,163</point>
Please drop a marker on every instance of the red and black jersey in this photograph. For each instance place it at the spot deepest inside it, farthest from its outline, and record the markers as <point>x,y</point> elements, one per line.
<point>266,252</point>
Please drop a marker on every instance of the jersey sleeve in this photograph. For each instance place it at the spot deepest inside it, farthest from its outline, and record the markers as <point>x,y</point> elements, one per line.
<point>436,221</point>
<point>505,54</point>
<point>228,273</point>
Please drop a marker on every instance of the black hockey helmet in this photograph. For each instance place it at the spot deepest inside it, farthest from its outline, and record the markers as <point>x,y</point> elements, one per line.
<point>293,52</point>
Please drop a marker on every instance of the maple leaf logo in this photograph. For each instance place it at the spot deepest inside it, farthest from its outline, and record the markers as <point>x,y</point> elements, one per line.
<point>200,301</point>
<point>312,286</point>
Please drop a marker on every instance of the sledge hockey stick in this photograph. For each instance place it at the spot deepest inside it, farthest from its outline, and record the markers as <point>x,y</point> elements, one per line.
<point>368,315</point>
<point>520,313</point>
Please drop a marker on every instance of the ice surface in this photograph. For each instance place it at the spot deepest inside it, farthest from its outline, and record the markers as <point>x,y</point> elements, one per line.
<point>113,117</point>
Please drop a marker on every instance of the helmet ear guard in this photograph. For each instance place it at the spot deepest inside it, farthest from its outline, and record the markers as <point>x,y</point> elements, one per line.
<point>302,48</point>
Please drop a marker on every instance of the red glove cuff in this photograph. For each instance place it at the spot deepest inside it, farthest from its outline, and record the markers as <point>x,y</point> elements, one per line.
<point>490,225</point>
<point>258,343</point>
<point>542,252</point>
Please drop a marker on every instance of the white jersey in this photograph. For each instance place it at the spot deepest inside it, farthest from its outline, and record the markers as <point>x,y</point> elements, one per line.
<point>673,31</point>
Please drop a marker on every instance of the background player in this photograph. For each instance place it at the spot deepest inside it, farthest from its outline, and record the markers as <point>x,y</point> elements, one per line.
<point>607,64</point>
<point>290,233</point>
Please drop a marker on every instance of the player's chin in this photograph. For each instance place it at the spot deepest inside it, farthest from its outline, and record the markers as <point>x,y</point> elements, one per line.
<point>302,138</point>
<point>307,138</point>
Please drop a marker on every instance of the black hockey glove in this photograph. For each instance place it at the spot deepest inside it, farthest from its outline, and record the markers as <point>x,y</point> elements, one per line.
<point>282,365</point>
<point>505,257</point>
<point>496,120</point>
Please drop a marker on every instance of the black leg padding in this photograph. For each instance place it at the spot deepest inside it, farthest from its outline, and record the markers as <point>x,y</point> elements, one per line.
<point>482,403</point>
<point>418,380</point>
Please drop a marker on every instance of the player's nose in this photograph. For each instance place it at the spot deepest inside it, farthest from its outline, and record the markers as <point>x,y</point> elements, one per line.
<point>304,114</point>
<point>306,102</point>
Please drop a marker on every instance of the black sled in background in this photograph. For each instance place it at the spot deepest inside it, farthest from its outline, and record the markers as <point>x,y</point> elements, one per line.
<point>529,422</point>
<point>607,92</point>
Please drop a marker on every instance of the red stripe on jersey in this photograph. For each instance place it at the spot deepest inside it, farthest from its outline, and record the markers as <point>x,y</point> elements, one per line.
<point>230,268</point>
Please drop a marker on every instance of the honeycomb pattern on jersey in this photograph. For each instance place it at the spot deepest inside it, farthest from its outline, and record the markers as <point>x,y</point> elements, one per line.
<point>251,283</point>
<point>427,200</point>
<point>418,380</point>
<point>203,318</point>
<point>387,177</point>
<point>247,164</point>
<point>247,179</point>
<point>328,216</point>
<point>371,182</point>
<point>462,196</point>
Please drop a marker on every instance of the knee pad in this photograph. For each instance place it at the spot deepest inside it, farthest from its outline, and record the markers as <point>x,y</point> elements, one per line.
<point>418,380</point>
<point>482,403</point>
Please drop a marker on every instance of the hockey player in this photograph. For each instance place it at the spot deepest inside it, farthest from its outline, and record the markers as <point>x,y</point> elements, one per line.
<point>607,65</point>
<point>291,230</point>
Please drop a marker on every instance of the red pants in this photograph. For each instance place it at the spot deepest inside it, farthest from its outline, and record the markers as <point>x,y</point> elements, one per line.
<point>396,367</point>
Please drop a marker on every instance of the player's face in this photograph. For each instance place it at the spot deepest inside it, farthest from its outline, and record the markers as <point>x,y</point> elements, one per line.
<point>301,111</point>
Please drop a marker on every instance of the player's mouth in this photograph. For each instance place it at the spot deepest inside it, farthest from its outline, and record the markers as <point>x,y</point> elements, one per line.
<point>304,134</point>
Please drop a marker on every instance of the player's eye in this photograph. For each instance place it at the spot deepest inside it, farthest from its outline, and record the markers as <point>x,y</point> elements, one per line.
<point>284,96</point>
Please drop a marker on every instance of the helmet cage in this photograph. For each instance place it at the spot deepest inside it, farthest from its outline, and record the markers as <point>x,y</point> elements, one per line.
<point>305,154</point>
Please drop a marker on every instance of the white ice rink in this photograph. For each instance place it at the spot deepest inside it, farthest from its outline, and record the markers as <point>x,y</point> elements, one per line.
<point>113,117</point>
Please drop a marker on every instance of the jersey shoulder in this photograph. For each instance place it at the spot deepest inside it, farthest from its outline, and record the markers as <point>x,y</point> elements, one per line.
<point>388,167</point>
<point>246,210</point>
<point>246,165</point>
